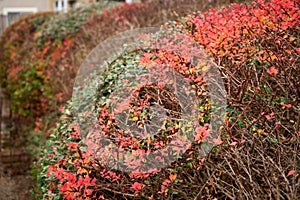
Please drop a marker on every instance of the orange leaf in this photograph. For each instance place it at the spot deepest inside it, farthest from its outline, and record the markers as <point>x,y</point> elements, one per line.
<point>172,177</point>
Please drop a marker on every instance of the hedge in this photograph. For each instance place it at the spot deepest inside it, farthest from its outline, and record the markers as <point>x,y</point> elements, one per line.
<point>256,47</point>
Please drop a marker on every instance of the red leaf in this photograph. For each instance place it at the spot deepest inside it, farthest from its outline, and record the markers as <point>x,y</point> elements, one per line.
<point>72,146</point>
<point>270,116</point>
<point>137,187</point>
<point>291,173</point>
<point>272,71</point>
<point>201,134</point>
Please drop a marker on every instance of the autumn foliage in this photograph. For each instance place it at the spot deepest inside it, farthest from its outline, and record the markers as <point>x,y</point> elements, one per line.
<point>41,54</point>
<point>38,72</point>
<point>257,48</point>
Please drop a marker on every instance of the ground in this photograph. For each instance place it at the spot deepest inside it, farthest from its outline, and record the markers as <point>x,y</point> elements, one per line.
<point>15,187</point>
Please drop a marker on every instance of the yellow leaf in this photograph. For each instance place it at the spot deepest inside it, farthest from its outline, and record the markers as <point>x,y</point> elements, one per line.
<point>201,65</point>
<point>82,171</point>
<point>260,131</point>
<point>177,125</point>
<point>205,69</point>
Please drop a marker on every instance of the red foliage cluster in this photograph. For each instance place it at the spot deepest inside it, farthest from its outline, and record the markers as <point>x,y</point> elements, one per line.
<point>228,32</point>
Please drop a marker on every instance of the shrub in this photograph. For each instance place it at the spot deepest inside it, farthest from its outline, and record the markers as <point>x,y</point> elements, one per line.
<point>27,63</point>
<point>257,49</point>
<point>38,71</point>
<point>41,78</point>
